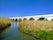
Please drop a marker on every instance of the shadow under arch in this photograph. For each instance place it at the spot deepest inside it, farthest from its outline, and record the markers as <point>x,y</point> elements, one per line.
<point>16,19</point>
<point>31,18</point>
<point>43,19</point>
<point>20,20</point>
<point>24,18</point>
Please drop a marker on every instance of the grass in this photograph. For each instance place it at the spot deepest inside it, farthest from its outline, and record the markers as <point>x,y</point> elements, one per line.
<point>4,22</point>
<point>39,29</point>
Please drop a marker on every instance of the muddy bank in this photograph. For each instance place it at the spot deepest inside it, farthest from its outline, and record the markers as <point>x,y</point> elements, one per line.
<point>4,23</point>
<point>4,27</point>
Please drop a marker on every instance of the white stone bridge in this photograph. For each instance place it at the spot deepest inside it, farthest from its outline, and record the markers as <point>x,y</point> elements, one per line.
<point>49,17</point>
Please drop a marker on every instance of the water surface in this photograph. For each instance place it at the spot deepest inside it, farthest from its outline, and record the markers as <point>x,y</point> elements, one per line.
<point>12,33</point>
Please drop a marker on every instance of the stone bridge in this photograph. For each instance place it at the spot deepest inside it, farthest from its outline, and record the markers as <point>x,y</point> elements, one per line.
<point>49,17</point>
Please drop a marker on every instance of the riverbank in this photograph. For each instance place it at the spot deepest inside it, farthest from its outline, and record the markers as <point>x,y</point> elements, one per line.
<point>4,23</point>
<point>39,29</point>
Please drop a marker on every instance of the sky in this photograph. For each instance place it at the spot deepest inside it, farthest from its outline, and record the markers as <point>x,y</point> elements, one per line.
<point>14,8</point>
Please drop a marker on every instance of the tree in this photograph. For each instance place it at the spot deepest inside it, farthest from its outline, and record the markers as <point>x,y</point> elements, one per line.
<point>24,19</point>
<point>31,19</point>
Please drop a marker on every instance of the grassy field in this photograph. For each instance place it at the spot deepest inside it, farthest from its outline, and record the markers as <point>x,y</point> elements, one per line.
<point>39,29</point>
<point>4,22</point>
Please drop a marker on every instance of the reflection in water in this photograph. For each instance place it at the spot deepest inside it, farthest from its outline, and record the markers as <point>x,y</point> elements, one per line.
<point>12,33</point>
<point>1,33</point>
<point>5,30</point>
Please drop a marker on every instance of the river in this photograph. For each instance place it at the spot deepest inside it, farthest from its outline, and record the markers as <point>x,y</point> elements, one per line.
<point>12,33</point>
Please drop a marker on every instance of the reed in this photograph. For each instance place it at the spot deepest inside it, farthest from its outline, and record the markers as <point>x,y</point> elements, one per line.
<point>4,22</point>
<point>40,29</point>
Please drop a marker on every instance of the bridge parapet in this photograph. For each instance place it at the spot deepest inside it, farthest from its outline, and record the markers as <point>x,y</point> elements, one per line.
<point>48,17</point>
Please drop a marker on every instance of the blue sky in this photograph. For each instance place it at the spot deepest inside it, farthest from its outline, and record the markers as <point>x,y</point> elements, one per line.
<point>11,8</point>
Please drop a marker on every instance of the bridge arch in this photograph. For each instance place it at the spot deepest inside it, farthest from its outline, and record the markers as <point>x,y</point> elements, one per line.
<point>31,18</point>
<point>24,18</point>
<point>43,18</point>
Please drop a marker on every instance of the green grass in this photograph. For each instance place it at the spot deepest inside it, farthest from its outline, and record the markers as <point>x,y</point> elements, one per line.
<point>41,34</point>
<point>45,35</point>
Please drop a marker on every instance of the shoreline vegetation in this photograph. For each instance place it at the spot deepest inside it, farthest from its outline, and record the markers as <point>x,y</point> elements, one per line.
<point>42,30</point>
<point>4,23</point>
